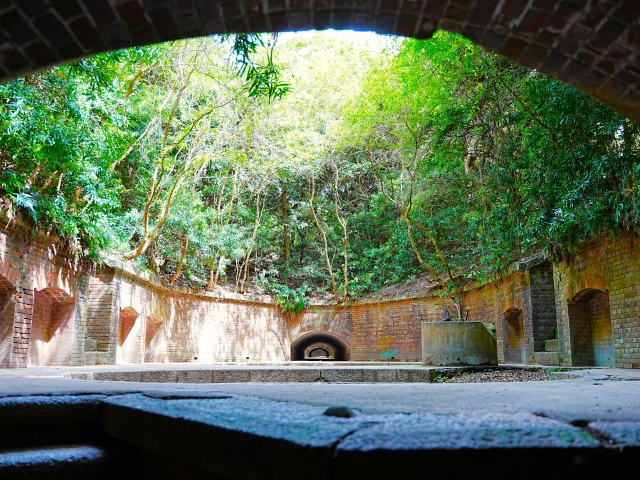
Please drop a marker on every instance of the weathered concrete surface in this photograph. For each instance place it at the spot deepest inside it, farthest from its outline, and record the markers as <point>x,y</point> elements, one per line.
<point>458,343</point>
<point>600,393</point>
<point>579,426</point>
<point>547,358</point>
<point>81,462</point>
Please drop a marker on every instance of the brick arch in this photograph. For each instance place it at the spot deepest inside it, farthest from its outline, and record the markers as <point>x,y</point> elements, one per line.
<point>513,341</point>
<point>58,295</point>
<point>128,317</point>
<point>53,327</point>
<point>154,340</point>
<point>586,282</point>
<point>590,328</point>
<point>340,348</point>
<point>7,314</point>
<point>593,47</point>
<point>130,344</point>
<point>6,285</point>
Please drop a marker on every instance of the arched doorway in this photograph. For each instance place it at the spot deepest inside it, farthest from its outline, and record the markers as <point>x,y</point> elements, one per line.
<point>513,336</point>
<point>319,346</point>
<point>53,332</point>
<point>590,45</point>
<point>129,337</point>
<point>7,312</point>
<point>590,329</point>
<point>154,343</point>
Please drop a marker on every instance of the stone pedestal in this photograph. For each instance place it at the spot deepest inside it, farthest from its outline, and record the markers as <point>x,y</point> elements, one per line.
<point>458,344</point>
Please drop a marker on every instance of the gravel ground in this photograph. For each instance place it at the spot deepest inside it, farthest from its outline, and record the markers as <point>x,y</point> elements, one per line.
<point>496,376</point>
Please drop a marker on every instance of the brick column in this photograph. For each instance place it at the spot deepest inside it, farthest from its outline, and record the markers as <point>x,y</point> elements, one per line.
<point>81,305</point>
<point>23,319</point>
<point>100,344</point>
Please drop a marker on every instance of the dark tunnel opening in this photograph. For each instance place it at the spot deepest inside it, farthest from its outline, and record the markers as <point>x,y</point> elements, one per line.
<point>320,346</point>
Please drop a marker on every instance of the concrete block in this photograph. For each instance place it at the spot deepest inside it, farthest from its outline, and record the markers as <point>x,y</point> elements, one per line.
<point>458,343</point>
<point>118,376</point>
<point>304,375</point>
<point>284,438</point>
<point>410,375</point>
<point>230,376</point>
<point>160,376</point>
<point>96,358</point>
<point>378,375</point>
<point>49,410</point>
<point>547,358</point>
<point>73,462</point>
<point>268,376</point>
<point>194,376</point>
<point>342,375</point>
<point>622,433</point>
<point>551,345</point>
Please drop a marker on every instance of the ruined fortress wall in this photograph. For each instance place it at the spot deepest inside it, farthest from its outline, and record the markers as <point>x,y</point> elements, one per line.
<point>52,312</point>
<point>613,266</point>
<point>43,303</point>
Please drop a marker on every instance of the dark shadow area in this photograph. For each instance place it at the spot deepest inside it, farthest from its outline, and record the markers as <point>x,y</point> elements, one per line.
<point>513,328</point>
<point>322,341</point>
<point>590,328</point>
<point>7,312</point>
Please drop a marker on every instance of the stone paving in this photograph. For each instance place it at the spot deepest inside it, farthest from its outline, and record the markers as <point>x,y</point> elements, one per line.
<point>588,422</point>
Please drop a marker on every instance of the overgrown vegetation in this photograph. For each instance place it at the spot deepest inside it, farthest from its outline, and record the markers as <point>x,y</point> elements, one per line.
<point>320,164</point>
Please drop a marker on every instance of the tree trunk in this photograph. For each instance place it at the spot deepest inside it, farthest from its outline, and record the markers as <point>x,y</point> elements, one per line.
<point>185,245</point>
<point>247,260</point>
<point>334,287</point>
<point>286,230</point>
<point>343,224</point>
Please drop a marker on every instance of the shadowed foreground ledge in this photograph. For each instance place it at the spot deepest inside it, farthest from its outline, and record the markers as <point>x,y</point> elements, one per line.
<point>192,431</point>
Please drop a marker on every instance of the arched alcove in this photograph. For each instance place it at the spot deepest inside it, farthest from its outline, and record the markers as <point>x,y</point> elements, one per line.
<point>590,45</point>
<point>7,313</point>
<point>513,336</point>
<point>129,336</point>
<point>590,328</point>
<point>53,330</point>
<point>327,341</point>
<point>154,344</point>
<point>320,351</point>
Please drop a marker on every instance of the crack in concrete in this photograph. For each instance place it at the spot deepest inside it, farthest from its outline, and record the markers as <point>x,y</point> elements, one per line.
<point>603,438</point>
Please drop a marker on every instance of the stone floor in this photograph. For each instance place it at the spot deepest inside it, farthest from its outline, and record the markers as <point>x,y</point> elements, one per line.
<point>597,393</point>
<point>586,424</point>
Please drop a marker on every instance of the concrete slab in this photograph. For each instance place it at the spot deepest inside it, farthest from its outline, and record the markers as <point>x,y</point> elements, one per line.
<point>282,439</point>
<point>280,431</point>
<point>163,376</point>
<point>194,376</point>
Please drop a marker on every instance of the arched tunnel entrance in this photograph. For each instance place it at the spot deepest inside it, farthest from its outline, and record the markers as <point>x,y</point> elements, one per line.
<point>590,328</point>
<point>319,346</point>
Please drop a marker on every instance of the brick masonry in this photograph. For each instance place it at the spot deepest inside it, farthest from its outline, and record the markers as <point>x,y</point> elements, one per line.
<point>611,266</point>
<point>590,44</point>
<point>52,312</point>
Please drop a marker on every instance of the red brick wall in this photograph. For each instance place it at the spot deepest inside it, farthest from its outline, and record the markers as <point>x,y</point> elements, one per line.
<point>28,266</point>
<point>53,330</point>
<point>543,307</point>
<point>53,313</point>
<point>513,337</point>
<point>601,330</point>
<point>7,312</point>
<point>610,265</point>
<point>488,304</point>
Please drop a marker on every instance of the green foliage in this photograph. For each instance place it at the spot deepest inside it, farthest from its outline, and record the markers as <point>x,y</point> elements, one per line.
<point>387,355</point>
<point>208,147</point>
<point>264,79</point>
<point>290,300</point>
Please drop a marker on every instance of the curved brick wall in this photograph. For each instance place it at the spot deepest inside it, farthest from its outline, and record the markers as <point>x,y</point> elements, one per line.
<point>53,313</point>
<point>591,44</point>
